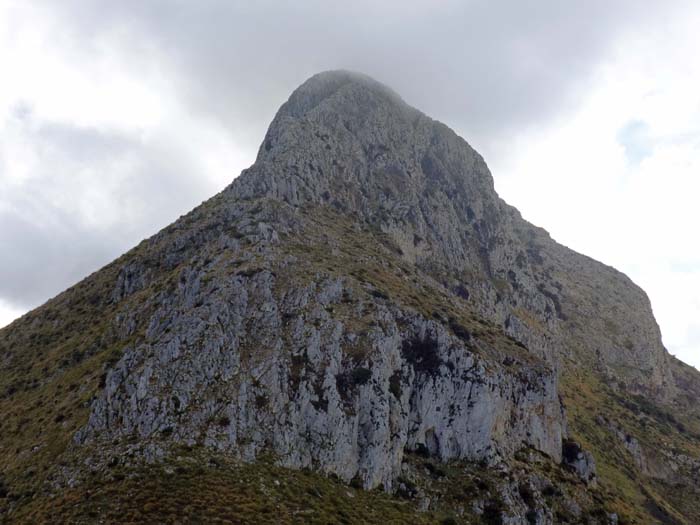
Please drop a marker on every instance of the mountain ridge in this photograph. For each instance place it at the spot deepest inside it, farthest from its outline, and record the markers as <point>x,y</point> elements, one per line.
<point>357,298</point>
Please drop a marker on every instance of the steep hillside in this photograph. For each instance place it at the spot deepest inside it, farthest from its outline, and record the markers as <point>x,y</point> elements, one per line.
<point>357,310</point>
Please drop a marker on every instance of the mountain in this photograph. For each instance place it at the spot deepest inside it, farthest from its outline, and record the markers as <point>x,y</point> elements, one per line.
<point>356,330</point>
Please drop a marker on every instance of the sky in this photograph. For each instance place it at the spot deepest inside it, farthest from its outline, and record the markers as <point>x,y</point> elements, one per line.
<point>118,117</point>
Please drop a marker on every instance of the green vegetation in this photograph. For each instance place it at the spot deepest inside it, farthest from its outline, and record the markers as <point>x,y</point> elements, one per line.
<point>53,362</point>
<point>593,409</point>
<point>197,486</point>
<point>207,489</point>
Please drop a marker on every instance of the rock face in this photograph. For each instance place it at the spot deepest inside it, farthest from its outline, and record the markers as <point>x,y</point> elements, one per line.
<point>329,373</point>
<point>361,295</point>
<point>579,460</point>
<point>416,386</point>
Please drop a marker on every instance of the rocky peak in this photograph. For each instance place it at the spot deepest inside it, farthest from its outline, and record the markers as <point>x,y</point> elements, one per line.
<point>342,92</point>
<point>346,141</point>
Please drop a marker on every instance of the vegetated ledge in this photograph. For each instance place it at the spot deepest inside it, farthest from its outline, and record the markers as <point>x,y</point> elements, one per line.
<point>196,483</point>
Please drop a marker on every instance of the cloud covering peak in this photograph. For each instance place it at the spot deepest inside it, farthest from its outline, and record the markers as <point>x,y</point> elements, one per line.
<point>115,118</point>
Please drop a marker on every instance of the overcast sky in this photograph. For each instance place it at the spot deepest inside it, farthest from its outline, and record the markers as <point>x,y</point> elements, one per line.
<point>117,117</point>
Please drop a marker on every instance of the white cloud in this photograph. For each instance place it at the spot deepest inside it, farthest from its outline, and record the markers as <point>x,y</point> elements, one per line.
<point>623,192</point>
<point>96,153</point>
<point>64,78</point>
<point>8,314</point>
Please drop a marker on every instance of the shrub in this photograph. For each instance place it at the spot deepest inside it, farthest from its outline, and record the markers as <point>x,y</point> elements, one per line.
<point>361,375</point>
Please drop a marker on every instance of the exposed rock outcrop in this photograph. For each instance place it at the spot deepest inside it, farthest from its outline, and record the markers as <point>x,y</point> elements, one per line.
<point>259,360</point>
<point>579,460</point>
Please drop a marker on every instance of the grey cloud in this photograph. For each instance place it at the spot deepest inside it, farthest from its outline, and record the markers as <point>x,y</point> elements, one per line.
<point>39,260</point>
<point>484,67</point>
<point>47,243</point>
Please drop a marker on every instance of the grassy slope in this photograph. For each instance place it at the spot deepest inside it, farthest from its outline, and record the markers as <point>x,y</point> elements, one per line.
<point>196,486</point>
<point>189,489</point>
<point>52,361</point>
<point>638,498</point>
